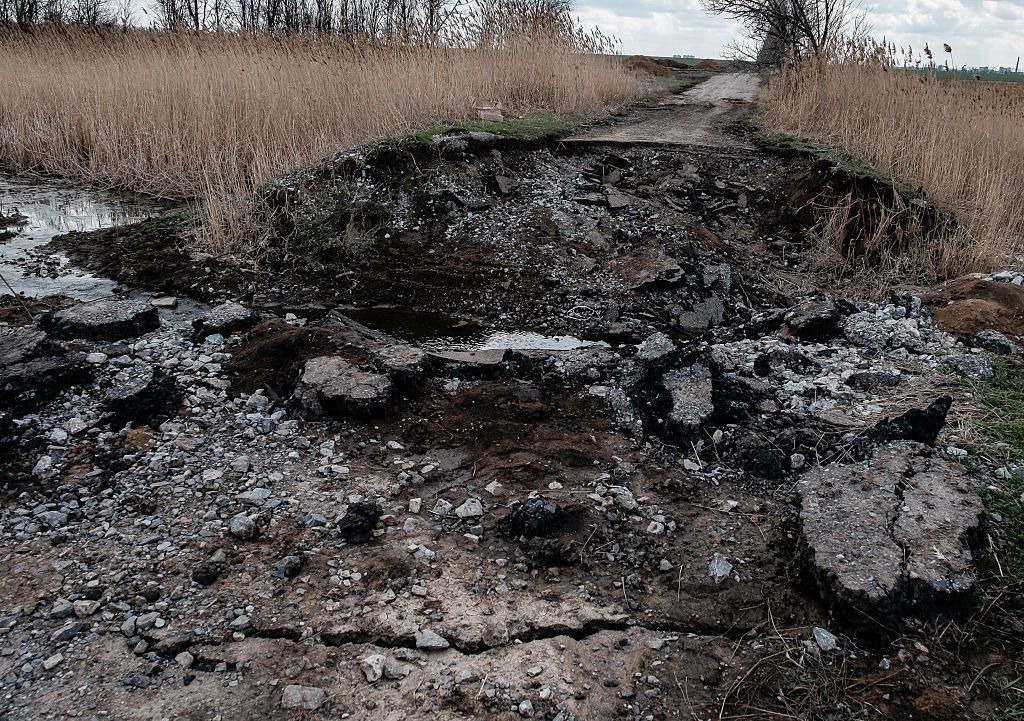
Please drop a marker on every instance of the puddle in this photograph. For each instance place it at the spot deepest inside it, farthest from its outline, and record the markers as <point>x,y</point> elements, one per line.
<point>440,333</point>
<point>53,208</point>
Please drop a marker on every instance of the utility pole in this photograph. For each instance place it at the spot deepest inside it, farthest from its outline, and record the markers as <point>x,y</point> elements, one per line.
<point>1018,65</point>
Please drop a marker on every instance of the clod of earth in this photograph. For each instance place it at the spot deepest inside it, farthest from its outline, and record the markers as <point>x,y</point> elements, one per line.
<point>225,319</point>
<point>33,368</point>
<point>691,395</point>
<point>537,516</point>
<point>103,320</point>
<point>358,522</point>
<point>889,537</point>
<point>145,400</point>
<point>919,425</point>
<point>331,386</point>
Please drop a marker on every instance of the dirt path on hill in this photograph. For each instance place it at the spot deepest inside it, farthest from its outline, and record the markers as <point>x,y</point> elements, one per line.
<point>697,117</point>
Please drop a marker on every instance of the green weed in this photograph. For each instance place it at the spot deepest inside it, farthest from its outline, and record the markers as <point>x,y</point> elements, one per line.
<point>534,126</point>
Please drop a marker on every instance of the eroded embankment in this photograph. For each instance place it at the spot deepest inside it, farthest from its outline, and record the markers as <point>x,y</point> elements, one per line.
<point>588,462</point>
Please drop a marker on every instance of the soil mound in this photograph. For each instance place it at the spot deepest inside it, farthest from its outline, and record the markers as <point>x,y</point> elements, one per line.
<point>671,63</point>
<point>644,64</point>
<point>709,64</point>
<point>971,305</point>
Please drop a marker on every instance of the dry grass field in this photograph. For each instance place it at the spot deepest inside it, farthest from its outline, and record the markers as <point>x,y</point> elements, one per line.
<point>962,140</point>
<point>215,116</point>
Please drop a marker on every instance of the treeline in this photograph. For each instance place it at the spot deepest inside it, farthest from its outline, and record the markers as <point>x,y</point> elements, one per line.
<point>28,14</point>
<point>411,22</point>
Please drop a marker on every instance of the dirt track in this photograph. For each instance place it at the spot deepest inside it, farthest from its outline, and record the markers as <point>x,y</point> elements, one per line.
<point>697,117</point>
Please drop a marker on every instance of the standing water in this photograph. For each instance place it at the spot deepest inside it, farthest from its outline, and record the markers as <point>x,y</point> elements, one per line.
<point>34,212</point>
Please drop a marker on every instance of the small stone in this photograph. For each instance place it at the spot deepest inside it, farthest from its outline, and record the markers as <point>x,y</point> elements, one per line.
<point>254,497</point>
<point>62,609</point>
<point>665,565</point>
<point>289,566</point>
<point>44,468</point>
<point>167,301</point>
<point>719,569</point>
<point>84,609</point>
<point>430,641</point>
<point>826,641</point>
<point>373,667</point>
<point>307,698</point>
<point>242,527</point>
<point>526,708</point>
<point>52,519</point>
<point>96,358</point>
<point>184,659</point>
<point>797,461</point>
<point>534,671</point>
<point>472,508</point>
<point>415,505</point>
<point>53,662</point>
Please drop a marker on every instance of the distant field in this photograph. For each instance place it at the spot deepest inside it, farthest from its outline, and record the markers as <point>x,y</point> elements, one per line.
<point>969,75</point>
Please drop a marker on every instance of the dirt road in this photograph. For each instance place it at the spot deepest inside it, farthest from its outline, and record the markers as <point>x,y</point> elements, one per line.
<point>696,117</point>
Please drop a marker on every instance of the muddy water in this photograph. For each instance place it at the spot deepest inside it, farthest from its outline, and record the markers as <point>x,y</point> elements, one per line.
<point>51,208</point>
<point>438,332</point>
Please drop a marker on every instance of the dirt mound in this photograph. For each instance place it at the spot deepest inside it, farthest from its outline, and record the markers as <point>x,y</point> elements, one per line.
<point>971,305</point>
<point>644,64</point>
<point>671,63</point>
<point>709,64</point>
<point>270,356</point>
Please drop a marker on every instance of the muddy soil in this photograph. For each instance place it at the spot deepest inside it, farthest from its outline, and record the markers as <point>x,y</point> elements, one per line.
<point>558,468</point>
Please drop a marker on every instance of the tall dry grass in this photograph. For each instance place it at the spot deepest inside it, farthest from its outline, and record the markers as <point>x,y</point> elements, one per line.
<point>962,140</point>
<point>215,116</point>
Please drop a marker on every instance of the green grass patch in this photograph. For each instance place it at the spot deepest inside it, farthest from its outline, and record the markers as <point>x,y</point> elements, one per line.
<point>1003,399</point>
<point>1001,561</point>
<point>858,167</point>
<point>1008,556</point>
<point>534,126</point>
<point>1003,396</point>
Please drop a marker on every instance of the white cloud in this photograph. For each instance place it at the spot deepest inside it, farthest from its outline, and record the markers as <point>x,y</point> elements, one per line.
<point>982,32</point>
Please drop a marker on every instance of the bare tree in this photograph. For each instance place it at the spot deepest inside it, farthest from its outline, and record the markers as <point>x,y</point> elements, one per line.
<point>793,28</point>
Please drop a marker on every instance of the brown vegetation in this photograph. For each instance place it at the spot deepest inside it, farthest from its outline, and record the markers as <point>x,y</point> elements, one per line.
<point>214,116</point>
<point>961,141</point>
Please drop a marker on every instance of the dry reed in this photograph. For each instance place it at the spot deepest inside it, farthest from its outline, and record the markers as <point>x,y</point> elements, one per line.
<point>214,117</point>
<point>962,140</point>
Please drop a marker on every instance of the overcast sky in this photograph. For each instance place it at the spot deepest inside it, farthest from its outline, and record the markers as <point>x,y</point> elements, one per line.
<point>982,32</point>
